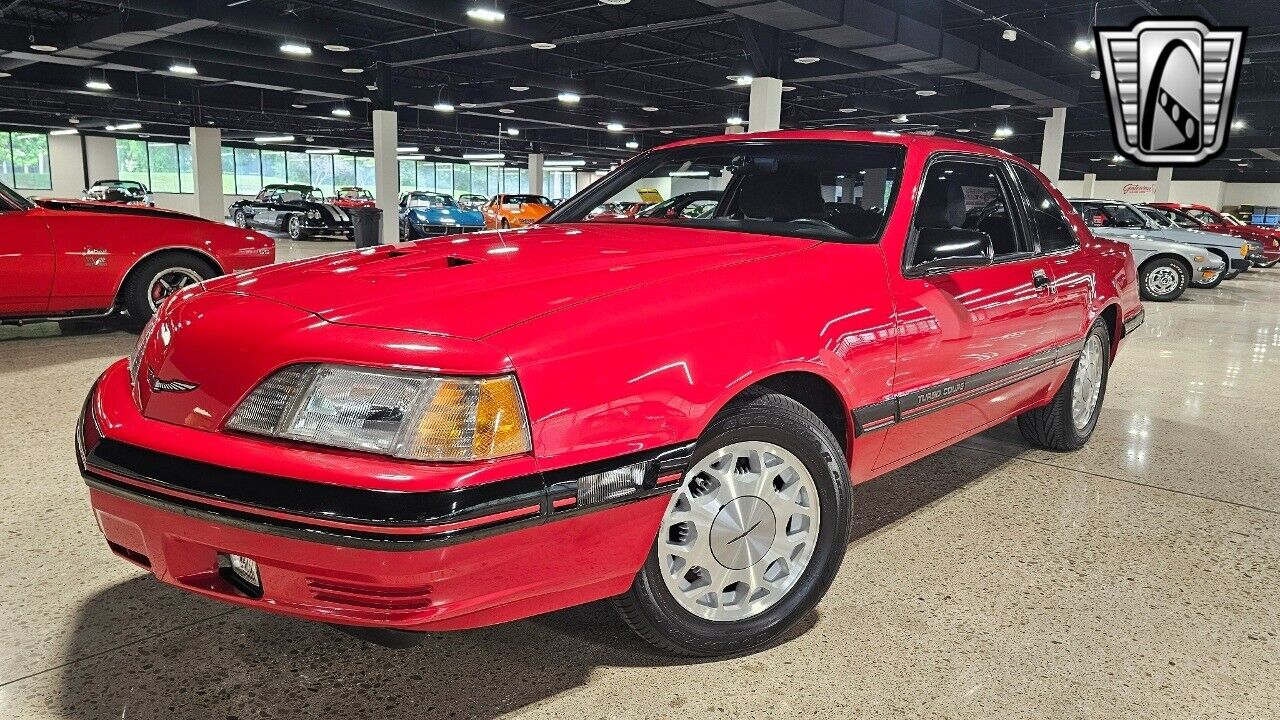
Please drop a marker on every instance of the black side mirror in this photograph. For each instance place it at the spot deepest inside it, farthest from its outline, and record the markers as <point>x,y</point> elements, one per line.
<point>941,249</point>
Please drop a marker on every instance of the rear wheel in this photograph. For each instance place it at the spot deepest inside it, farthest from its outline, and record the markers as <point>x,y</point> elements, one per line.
<point>1069,419</point>
<point>1163,279</point>
<point>158,277</point>
<point>752,538</point>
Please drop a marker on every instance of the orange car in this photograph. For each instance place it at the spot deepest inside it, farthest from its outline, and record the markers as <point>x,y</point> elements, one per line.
<point>508,211</point>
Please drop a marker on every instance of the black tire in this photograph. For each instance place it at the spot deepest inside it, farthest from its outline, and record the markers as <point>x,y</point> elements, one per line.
<point>1158,270</point>
<point>136,293</point>
<point>505,225</point>
<point>293,226</point>
<point>1051,427</point>
<point>649,607</point>
<point>1211,285</point>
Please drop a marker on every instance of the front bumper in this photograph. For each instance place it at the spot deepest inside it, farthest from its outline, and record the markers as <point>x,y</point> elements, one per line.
<point>435,560</point>
<point>428,230</point>
<point>1241,263</point>
<point>320,227</point>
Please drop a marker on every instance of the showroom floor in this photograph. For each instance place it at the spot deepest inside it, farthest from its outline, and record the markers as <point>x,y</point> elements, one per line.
<point>1139,577</point>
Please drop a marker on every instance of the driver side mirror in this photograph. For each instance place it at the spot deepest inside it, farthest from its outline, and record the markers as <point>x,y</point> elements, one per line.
<point>942,249</point>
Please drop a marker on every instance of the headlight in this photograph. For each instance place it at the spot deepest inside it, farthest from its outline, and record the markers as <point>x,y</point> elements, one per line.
<point>1198,258</point>
<point>408,415</point>
<point>313,214</point>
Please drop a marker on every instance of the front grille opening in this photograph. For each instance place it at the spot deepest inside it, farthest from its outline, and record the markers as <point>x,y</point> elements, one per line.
<point>128,554</point>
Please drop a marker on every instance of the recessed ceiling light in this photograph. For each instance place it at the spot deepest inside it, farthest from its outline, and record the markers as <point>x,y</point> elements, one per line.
<point>1238,125</point>
<point>341,112</point>
<point>4,74</point>
<point>1096,74</point>
<point>291,48</point>
<point>468,105</point>
<point>926,93</point>
<point>486,14</point>
<point>39,47</point>
<point>733,120</point>
<point>788,88</point>
<point>740,79</point>
<point>633,144</point>
<point>649,108</point>
<point>666,132</point>
<point>520,88</point>
<point>513,131</point>
<point>183,69</point>
<point>98,85</point>
<point>614,2</point>
<point>543,45</point>
<point>1009,34</point>
<point>1001,106</point>
<point>807,59</point>
<point>614,127</point>
<point>334,47</point>
<point>964,130</point>
<point>506,111</point>
<point>443,106</point>
<point>1117,158</point>
<point>1001,132</point>
<point>1083,45</point>
<point>848,110</point>
<point>299,106</point>
<point>901,119</point>
<point>74,121</point>
<point>568,97</point>
<point>371,87</point>
<point>353,70</point>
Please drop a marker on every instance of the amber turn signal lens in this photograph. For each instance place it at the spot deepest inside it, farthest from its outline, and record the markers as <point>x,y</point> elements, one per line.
<point>473,419</point>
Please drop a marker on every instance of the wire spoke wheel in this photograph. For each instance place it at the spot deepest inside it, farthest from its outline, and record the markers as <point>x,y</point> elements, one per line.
<point>169,281</point>
<point>1088,382</point>
<point>739,532</point>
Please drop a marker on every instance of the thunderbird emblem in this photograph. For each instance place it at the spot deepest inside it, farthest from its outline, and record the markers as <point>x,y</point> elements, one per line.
<point>158,385</point>
<point>1170,86</point>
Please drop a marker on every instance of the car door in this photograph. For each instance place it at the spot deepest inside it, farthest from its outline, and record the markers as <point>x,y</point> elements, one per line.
<point>26,259</point>
<point>971,341</point>
<point>257,210</point>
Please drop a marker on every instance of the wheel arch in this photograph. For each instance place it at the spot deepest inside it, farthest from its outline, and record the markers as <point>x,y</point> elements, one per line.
<point>812,389</point>
<point>180,250</point>
<point>1111,316</point>
<point>1186,264</point>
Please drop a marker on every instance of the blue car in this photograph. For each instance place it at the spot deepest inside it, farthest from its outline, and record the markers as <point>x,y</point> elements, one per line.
<point>427,214</point>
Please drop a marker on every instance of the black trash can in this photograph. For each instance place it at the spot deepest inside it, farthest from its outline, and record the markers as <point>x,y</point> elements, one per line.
<point>366,225</point>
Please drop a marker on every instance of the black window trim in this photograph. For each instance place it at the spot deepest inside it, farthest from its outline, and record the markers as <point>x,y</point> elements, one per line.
<point>1032,231</point>
<point>1007,182</point>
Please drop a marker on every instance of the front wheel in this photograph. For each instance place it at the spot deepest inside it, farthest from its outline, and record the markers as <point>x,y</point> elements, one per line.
<point>751,539</point>
<point>239,219</point>
<point>1069,419</point>
<point>158,277</point>
<point>1163,280</point>
<point>295,228</point>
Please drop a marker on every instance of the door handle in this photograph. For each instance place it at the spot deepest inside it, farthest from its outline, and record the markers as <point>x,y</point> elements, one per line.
<point>1040,279</point>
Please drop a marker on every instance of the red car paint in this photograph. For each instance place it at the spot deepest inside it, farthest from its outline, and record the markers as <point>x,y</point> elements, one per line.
<point>65,257</point>
<point>1213,221</point>
<point>353,197</point>
<point>617,359</point>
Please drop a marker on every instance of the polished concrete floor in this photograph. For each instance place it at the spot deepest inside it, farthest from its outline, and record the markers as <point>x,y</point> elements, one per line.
<point>1136,578</point>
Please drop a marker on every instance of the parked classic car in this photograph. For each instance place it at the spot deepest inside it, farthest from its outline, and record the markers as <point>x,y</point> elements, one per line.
<point>73,259</point>
<point>621,210</point>
<point>1165,269</point>
<point>669,412</point>
<point>471,201</point>
<point>299,210</point>
<point>425,214</point>
<point>353,197</point>
<point>1264,242</point>
<point>125,192</point>
<point>696,204</point>
<point>504,211</point>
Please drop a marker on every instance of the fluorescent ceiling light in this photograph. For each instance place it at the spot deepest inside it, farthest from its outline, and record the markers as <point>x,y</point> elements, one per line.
<point>848,110</point>
<point>483,156</point>
<point>323,151</point>
<point>183,69</point>
<point>568,97</point>
<point>299,106</point>
<point>901,119</point>
<point>926,93</point>
<point>291,48</point>
<point>506,111</point>
<point>488,163</point>
<point>666,132</point>
<point>964,130</point>
<point>649,108</point>
<point>407,149</point>
<point>543,46</point>
<point>39,47</point>
<point>64,131</point>
<point>564,163</point>
<point>334,47</point>
<point>412,157</point>
<point>520,88</point>
<point>1001,106</point>
<point>601,173</point>
<point>632,144</point>
<point>98,85</point>
<point>690,173</point>
<point>807,59</point>
<point>486,14</point>
<point>341,112</point>
<point>614,127</point>
<point>733,120</point>
<point>274,139</point>
<point>4,74</point>
<point>125,126</point>
<point>443,106</point>
<point>353,70</point>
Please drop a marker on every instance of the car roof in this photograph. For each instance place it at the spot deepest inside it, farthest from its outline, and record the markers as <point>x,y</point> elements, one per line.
<point>289,186</point>
<point>928,143</point>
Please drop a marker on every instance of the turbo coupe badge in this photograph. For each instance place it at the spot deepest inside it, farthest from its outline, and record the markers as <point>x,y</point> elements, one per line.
<point>1170,87</point>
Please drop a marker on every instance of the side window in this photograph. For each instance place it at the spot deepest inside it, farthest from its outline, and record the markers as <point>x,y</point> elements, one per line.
<point>1046,216</point>
<point>1202,216</point>
<point>969,195</point>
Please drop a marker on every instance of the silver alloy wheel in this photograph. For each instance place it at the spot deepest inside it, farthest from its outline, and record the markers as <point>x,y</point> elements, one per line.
<point>239,219</point>
<point>1163,280</point>
<point>169,281</point>
<point>295,227</point>
<point>739,532</point>
<point>1088,383</point>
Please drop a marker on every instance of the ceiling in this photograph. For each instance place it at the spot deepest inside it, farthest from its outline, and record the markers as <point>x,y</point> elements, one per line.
<point>661,69</point>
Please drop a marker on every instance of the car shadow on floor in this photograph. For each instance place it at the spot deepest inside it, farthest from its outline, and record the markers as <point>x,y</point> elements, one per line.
<point>243,663</point>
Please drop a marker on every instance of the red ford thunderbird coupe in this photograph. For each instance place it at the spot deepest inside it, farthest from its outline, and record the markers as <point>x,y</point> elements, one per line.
<point>68,259</point>
<point>666,411</point>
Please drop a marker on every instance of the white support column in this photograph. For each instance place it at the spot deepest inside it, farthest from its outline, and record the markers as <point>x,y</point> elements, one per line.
<point>535,173</point>
<point>1164,183</point>
<point>206,168</point>
<point>66,166</point>
<point>1051,145</point>
<point>765,112</point>
<point>386,174</point>
<point>1086,187</point>
<point>873,187</point>
<point>734,129</point>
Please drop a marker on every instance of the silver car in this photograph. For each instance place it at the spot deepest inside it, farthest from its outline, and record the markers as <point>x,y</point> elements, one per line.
<point>1165,269</point>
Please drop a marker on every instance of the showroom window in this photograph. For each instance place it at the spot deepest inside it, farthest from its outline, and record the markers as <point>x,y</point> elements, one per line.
<point>24,161</point>
<point>162,167</point>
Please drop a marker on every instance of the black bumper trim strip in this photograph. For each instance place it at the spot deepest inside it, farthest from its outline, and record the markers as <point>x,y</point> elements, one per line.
<point>1134,322</point>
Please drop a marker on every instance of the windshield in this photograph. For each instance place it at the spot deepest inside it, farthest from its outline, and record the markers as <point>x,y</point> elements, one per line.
<point>839,191</point>
<point>1155,218</point>
<point>429,200</point>
<point>354,194</point>
<point>9,197</point>
<point>1177,217</point>
<point>127,184</point>
<point>525,200</point>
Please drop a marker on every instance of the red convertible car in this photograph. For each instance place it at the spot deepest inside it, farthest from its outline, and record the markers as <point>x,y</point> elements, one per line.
<point>667,411</point>
<point>69,259</point>
<point>1203,217</point>
<point>353,197</point>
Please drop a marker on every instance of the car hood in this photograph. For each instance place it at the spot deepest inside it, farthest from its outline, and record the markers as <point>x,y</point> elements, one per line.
<point>1194,237</point>
<point>462,215</point>
<point>471,286</point>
